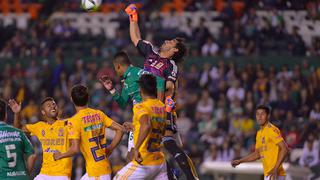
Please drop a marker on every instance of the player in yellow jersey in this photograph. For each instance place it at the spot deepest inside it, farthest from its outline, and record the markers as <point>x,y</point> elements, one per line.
<point>148,126</point>
<point>87,134</point>
<point>270,147</point>
<point>53,135</point>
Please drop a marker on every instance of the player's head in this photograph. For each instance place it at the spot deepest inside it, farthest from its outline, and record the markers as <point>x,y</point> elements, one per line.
<point>263,114</point>
<point>121,62</point>
<point>49,108</point>
<point>148,85</point>
<point>175,48</point>
<point>3,110</point>
<point>80,95</point>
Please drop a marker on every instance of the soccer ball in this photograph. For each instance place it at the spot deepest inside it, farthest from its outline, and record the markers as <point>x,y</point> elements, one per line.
<point>90,5</point>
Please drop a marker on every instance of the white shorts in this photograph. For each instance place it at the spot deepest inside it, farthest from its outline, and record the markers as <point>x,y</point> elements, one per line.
<point>130,141</point>
<point>278,178</point>
<point>134,171</point>
<point>102,177</point>
<point>47,177</point>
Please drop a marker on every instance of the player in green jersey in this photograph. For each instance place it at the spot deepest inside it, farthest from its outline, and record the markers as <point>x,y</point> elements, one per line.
<point>130,88</point>
<point>14,149</point>
<point>130,75</point>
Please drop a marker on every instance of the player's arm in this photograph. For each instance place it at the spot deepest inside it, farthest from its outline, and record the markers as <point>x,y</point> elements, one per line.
<point>171,76</point>
<point>121,99</point>
<point>135,34</point>
<point>283,152</point>
<point>276,137</point>
<point>249,158</point>
<point>145,128</point>
<point>169,88</point>
<point>144,47</point>
<point>74,130</point>
<point>160,88</point>
<point>30,162</point>
<point>117,138</point>
<point>16,109</point>
<point>29,152</point>
<point>73,150</point>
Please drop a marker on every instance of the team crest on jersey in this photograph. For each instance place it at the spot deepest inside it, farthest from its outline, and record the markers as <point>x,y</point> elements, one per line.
<point>43,133</point>
<point>61,132</point>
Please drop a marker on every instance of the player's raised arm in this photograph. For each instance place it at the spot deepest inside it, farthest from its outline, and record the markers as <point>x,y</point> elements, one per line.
<point>16,108</point>
<point>135,35</point>
<point>121,99</point>
<point>144,47</point>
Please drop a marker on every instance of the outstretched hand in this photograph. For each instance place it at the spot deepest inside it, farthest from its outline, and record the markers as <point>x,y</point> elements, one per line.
<point>15,107</point>
<point>106,82</point>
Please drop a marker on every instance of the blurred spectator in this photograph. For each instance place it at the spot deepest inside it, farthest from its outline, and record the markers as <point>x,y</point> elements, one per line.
<point>315,112</point>
<point>226,153</point>
<point>211,155</point>
<point>205,107</point>
<point>235,92</point>
<point>310,155</point>
<point>295,43</point>
<point>210,48</point>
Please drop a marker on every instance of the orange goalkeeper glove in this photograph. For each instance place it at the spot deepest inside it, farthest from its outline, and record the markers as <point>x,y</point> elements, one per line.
<point>169,104</point>
<point>132,11</point>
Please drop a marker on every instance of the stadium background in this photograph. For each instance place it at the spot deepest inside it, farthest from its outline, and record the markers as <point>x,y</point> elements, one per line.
<point>242,53</point>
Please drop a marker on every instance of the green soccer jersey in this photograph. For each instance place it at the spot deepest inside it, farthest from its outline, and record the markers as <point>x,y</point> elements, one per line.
<point>130,89</point>
<point>14,148</point>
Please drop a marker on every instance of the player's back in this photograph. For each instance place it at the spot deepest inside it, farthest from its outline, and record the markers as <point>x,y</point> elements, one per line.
<point>88,125</point>
<point>14,147</point>
<point>150,149</point>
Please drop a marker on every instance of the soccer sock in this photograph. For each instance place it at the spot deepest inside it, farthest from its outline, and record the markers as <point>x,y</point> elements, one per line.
<point>182,159</point>
<point>171,176</point>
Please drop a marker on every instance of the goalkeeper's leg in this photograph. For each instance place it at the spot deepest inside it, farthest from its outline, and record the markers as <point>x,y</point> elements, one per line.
<point>171,146</point>
<point>182,159</point>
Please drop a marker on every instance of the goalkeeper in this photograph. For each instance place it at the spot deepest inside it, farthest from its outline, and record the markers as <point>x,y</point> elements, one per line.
<point>164,64</point>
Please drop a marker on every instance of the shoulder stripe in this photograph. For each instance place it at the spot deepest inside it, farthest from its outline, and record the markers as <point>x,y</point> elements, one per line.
<point>152,48</point>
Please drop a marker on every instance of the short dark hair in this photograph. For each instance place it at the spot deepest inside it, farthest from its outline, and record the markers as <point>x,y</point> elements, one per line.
<point>3,109</point>
<point>46,99</point>
<point>266,108</point>
<point>148,84</point>
<point>178,56</point>
<point>121,58</point>
<point>80,95</point>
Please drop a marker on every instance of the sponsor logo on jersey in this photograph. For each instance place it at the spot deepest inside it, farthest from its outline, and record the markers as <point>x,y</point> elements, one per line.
<point>8,134</point>
<point>93,127</point>
<point>43,133</point>
<point>52,142</point>
<point>49,150</point>
<point>16,173</point>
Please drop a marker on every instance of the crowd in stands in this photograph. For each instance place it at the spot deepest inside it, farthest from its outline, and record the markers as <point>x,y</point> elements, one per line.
<point>247,35</point>
<point>215,103</point>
